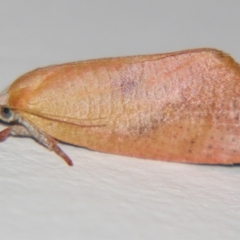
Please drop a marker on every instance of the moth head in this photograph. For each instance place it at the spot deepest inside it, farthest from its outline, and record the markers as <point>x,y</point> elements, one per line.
<point>7,115</point>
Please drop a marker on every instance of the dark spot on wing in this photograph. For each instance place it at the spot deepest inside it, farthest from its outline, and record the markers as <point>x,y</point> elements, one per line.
<point>142,130</point>
<point>127,86</point>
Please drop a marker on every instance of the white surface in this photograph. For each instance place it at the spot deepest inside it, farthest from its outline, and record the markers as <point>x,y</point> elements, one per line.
<point>105,196</point>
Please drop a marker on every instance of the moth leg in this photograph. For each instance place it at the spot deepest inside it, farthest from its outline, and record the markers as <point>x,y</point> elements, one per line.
<point>15,130</point>
<point>44,139</point>
<point>4,134</point>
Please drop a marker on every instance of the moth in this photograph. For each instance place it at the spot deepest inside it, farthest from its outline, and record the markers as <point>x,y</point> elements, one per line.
<point>182,106</point>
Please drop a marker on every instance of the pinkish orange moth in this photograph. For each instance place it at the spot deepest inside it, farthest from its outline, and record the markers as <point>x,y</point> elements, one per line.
<point>182,106</point>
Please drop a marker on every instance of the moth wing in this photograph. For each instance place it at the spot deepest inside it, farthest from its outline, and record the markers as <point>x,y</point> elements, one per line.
<point>154,106</point>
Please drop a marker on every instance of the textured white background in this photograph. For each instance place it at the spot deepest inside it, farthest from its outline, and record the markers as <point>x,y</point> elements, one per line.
<point>106,196</point>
